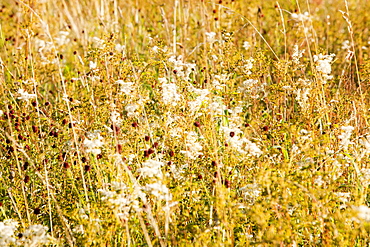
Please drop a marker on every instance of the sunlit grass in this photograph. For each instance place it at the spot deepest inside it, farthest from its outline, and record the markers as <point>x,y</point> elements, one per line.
<point>184,123</point>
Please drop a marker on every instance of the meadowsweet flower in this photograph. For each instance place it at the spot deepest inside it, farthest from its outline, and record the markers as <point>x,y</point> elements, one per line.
<point>63,38</point>
<point>35,235</point>
<point>115,118</point>
<point>345,136</point>
<point>122,198</point>
<point>169,94</point>
<point>363,213</point>
<point>93,143</point>
<point>159,190</point>
<point>219,81</point>
<point>248,85</point>
<point>155,49</point>
<point>126,87</point>
<point>120,48</point>
<point>99,43</point>
<point>300,17</point>
<point>210,36</point>
<point>182,69</point>
<point>344,198</point>
<point>92,65</point>
<point>24,95</point>
<point>79,229</point>
<point>177,171</point>
<point>131,110</point>
<point>297,54</point>
<point>151,168</point>
<point>217,108</point>
<point>323,64</point>
<point>202,97</point>
<point>193,147</point>
<point>346,45</point>
<point>7,229</point>
<point>248,66</point>
<point>246,45</point>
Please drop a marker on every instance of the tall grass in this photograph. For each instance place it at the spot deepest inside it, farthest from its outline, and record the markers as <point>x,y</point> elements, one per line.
<point>184,123</point>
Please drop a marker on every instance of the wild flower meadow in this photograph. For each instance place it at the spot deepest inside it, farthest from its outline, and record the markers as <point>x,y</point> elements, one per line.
<point>184,123</point>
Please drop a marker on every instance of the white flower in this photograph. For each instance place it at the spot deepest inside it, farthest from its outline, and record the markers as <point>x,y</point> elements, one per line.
<point>363,213</point>
<point>193,147</point>
<point>345,136</point>
<point>151,168</point>
<point>301,17</point>
<point>115,118</point>
<point>155,49</point>
<point>62,39</point>
<point>24,95</point>
<point>159,190</point>
<point>246,45</point>
<point>169,94</point>
<point>324,64</point>
<point>210,36</point>
<point>248,66</point>
<point>93,145</point>
<point>126,87</point>
<point>92,65</point>
<point>7,229</point>
<point>297,54</point>
<point>120,48</point>
<point>35,235</point>
<point>131,109</point>
<point>346,45</point>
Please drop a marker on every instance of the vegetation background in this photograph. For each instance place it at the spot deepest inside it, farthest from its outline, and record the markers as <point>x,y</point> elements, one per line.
<point>184,123</point>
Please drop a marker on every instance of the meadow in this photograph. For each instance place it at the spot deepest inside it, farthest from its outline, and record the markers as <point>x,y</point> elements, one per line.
<point>184,123</point>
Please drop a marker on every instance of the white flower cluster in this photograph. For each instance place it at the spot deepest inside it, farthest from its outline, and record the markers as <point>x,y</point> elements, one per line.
<point>34,235</point>
<point>297,54</point>
<point>115,118</point>
<point>62,39</point>
<point>344,198</point>
<point>201,98</point>
<point>183,69</point>
<point>301,17</point>
<point>131,109</point>
<point>122,198</point>
<point>303,93</point>
<point>24,95</point>
<point>234,137</point>
<point>193,147</point>
<point>151,168</point>
<point>246,45</point>
<point>169,93</point>
<point>248,66</point>
<point>345,136</point>
<point>210,36</point>
<point>217,108</point>
<point>93,143</point>
<point>363,213</point>
<point>323,65</point>
<point>126,87</point>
